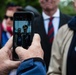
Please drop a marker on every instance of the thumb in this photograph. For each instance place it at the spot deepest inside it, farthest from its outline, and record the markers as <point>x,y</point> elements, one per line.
<point>9,43</point>
<point>36,39</point>
<point>20,51</point>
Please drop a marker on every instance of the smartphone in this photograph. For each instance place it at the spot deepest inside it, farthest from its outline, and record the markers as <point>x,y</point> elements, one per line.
<point>22,28</point>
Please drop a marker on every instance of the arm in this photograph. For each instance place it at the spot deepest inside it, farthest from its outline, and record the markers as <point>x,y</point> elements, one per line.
<point>34,66</point>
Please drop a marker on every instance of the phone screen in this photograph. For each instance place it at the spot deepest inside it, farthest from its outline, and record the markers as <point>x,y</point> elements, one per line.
<point>22,30</point>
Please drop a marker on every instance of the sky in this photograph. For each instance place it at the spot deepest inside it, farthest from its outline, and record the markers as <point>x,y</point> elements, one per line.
<point>65,0</point>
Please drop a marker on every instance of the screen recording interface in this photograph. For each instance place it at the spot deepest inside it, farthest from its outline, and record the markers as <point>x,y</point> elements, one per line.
<point>22,33</point>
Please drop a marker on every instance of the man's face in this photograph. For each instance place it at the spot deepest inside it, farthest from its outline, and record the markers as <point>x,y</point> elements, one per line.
<point>75,4</point>
<point>9,17</point>
<point>49,4</point>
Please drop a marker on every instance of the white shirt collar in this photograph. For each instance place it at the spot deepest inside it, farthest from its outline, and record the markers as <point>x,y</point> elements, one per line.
<point>56,14</point>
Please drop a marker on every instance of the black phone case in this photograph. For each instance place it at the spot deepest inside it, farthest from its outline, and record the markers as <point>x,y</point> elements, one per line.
<point>22,28</point>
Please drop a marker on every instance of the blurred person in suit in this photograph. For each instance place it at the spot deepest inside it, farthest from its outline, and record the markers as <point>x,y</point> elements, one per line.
<point>49,9</point>
<point>63,57</point>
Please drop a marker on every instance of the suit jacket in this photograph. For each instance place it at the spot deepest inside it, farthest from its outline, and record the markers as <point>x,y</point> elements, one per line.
<point>38,27</point>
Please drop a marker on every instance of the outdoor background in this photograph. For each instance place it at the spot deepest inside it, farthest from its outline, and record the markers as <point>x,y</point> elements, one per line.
<point>65,6</point>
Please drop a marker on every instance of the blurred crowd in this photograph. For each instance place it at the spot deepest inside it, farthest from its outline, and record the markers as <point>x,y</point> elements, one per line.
<point>56,36</point>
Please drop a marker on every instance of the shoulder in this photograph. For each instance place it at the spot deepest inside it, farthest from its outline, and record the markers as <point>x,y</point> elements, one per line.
<point>66,16</point>
<point>62,36</point>
<point>63,32</point>
<point>38,18</point>
<point>63,29</point>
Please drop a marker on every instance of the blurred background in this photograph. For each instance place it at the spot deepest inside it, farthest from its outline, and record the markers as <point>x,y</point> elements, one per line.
<point>65,6</point>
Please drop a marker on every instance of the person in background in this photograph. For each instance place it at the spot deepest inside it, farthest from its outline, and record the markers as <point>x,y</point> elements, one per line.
<point>19,37</point>
<point>50,11</point>
<point>28,64</point>
<point>63,57</point>
<point>6,26</point>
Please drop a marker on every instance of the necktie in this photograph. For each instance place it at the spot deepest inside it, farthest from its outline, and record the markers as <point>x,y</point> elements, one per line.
<point>50,31</point>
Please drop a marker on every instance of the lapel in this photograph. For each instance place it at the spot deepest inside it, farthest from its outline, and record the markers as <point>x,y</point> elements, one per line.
<point>64,19</point>
<point>42,31</point>
<point>41,26</point>
<point>61,20</point>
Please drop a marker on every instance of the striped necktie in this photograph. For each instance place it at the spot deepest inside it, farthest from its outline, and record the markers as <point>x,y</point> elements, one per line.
<point>50,31</point>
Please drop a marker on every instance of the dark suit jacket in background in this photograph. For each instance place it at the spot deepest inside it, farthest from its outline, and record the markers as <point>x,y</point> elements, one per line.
<point>38,27</point>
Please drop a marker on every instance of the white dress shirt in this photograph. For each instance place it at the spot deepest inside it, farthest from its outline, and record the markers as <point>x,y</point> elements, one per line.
<point>55,21</point>
<point>13,72</point>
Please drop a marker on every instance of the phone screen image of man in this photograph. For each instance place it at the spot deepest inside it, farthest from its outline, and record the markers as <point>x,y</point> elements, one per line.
<point>22,33</point>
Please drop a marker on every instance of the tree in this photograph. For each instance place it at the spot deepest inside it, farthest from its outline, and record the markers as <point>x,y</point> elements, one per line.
<point>67,7</point>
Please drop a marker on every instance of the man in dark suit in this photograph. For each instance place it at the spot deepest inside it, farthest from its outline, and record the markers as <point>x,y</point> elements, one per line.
<point>49,9</point>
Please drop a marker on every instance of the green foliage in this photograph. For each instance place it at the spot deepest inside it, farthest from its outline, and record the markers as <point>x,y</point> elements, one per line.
<point>22,3</point>
<point>68,9</point>
<point>35,3</point>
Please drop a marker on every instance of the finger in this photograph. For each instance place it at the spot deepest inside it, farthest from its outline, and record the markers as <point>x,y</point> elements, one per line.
<point>36,39</point>
<point>14,64</point>
<point>20,51</point>
<point>9,43</point>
